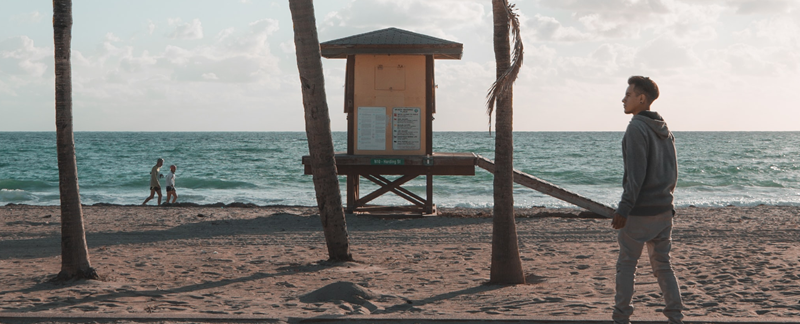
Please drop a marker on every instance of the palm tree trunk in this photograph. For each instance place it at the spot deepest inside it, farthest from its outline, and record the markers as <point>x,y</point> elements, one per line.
<point>506,264</point>
<point>74,252</point>
<point>318,130</point>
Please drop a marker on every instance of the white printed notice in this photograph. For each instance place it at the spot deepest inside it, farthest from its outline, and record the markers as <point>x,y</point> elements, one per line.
<point>371,128</point>
<point>406,128</point>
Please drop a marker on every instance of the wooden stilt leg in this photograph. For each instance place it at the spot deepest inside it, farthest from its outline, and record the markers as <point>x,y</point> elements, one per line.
<point>429,193</point>
<point>352,192</point>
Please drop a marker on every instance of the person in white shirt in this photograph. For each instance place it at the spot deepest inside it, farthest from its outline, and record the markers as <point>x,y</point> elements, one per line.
<point>171,184</point>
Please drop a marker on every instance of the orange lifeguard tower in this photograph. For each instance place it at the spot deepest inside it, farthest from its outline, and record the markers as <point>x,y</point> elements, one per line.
<point>390,101</point>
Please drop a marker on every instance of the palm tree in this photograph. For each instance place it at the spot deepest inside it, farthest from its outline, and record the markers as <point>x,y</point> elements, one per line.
<point>74,252</point>
<point>506,265</point>
<point>318,130</point>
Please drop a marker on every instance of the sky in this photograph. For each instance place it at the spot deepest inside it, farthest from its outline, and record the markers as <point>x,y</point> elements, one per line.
<point>229,65</point>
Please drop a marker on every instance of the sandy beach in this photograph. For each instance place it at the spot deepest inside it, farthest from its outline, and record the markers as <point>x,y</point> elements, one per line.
<point>732,262</point>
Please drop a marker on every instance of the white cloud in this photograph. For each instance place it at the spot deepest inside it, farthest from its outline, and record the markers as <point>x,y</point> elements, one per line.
<point>232,59</point>
<point>110,37</point>
<point>287,47</point>
<point>614,19</point>
<point>544,28</point>
<point>426,17</point>
<point>223,34</point>
<point>151,27</point>
<point>20,56</point>
<point>749,7</point>
<point>780,30</point>
<point>189,30</point>
<point>634,19</point>
<point>665,53</point>
<point>130,63</point>
<point>746,60</point>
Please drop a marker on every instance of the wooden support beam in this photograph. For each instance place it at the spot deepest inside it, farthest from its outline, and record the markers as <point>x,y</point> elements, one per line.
<point>377,193</point>
<point>352,191</point>
<point>550,189</point>
<point>429,194</point>
<point>400,191</point>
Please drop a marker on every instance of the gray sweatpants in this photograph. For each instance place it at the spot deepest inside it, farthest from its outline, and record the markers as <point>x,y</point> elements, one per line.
<point>656,233</point>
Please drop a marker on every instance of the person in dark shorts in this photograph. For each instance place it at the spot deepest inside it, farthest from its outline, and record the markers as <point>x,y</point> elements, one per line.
<point>155,187</point>
<point>170,178</point>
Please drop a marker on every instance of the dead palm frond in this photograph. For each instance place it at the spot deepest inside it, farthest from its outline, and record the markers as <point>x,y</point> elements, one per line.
<point>505,82</point>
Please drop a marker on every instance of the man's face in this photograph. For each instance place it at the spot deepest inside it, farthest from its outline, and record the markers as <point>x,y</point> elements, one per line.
<point>633,103</point>
<point>173,168</point>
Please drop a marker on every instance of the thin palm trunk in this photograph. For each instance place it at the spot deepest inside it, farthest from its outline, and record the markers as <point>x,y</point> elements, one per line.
<point>506,264</point>
<point>318,130</point>
<point>74,252</point>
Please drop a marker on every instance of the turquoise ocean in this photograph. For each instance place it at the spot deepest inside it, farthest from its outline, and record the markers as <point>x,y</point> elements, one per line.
<point>264,168</point>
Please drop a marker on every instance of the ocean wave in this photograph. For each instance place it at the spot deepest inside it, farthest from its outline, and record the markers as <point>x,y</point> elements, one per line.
<point>25,184</point>
<point>195,183</point>
<point>15,195</point>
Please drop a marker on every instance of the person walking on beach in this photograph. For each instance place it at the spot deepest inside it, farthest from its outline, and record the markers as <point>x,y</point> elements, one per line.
<point>645,212</point>
<point>170,178</point>
<point>155,187</point>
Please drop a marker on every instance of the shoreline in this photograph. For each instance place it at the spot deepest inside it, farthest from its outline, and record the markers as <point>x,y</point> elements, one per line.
<point>252,205</point>
<point>732,262</point>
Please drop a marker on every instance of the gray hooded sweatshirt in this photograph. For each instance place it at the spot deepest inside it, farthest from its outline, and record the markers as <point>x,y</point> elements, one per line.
<point>651,167</point>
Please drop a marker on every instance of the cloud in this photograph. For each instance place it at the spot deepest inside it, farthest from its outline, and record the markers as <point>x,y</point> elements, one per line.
<point>747,60</point>
<point>151,27</point>
<point>182,30</point>
<point>613,19</point>
<point>544,28</point>
<point>665,53</point>
<point>235,70</point>
<point>750,7</point>
<point>110,37</point>
<point>633,19</point>
<point>231,57</point>
<point>130,63</point>
<point>425,17</point>
<point>780,31</point>
<point>20,56</point>
<point>287,47</point>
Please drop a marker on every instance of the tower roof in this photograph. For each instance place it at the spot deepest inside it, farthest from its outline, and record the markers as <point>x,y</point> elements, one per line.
<point>392,41</point>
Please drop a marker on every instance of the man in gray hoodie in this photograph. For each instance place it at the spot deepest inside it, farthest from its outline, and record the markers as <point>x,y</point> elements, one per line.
<point>645,212</point>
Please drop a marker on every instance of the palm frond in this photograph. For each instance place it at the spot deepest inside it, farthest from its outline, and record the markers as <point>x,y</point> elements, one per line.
<point>505,82</point>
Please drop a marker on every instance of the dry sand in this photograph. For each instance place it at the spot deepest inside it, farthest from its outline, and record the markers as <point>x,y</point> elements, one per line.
<point>731,262</point>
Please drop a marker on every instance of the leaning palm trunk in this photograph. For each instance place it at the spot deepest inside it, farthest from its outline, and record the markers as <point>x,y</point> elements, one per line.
<point>74,252</point>
<point>506,264</point>
<point>318,130</point>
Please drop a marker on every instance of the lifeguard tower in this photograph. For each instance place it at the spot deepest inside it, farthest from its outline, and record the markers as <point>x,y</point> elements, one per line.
<point>390,101</point>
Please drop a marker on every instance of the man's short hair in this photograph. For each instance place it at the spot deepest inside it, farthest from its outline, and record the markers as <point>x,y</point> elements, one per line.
<point>160,160</point>
<point>643,85</point>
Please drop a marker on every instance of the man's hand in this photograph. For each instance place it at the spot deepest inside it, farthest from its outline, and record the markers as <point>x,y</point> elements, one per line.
<point>618,222</point>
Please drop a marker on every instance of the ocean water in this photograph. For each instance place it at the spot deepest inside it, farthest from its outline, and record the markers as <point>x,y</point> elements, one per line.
<point>715,168</point>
